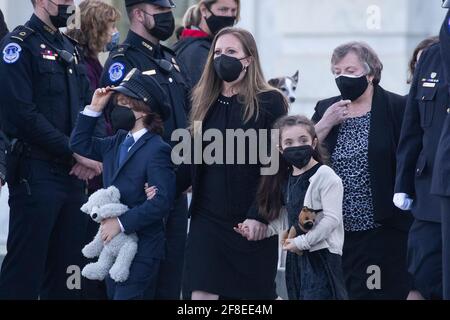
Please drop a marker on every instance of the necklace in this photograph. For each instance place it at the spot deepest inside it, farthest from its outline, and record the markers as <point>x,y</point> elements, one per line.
<point>293,187</point>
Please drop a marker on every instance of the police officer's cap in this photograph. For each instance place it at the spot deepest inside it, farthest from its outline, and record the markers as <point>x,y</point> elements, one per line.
<point>445,3</point>
<point>161,3</point>
<point>144,87</point>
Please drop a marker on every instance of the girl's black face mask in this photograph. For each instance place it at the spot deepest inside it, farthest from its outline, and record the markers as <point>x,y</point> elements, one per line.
<point>298,157</point>
<point>122,118</point>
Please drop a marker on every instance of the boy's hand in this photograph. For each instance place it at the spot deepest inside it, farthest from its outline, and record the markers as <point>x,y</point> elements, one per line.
<point>109,229</point>
<point>100,99</point>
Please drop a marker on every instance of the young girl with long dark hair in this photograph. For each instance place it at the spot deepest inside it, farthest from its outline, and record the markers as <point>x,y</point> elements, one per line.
<point>305,181</point>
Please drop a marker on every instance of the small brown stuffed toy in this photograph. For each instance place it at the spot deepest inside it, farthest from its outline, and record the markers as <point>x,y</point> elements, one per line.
<point>306,218</point>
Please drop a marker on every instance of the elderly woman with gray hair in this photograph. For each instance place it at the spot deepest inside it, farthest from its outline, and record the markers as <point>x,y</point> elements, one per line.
<point>361,129</point>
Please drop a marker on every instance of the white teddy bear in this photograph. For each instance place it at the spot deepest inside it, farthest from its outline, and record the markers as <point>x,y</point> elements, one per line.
<point>116,256</point>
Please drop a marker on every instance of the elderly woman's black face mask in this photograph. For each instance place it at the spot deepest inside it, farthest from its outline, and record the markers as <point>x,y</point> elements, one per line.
<point>351,87</point>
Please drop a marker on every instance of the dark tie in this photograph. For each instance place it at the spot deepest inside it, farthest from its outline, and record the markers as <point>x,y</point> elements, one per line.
<point>126,144</point>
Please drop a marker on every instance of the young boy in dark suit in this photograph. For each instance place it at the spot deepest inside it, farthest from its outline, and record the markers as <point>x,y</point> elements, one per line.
<point>134,157</point>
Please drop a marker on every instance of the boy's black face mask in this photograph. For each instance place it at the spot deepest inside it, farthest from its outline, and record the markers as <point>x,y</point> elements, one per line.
<point>122,118</point>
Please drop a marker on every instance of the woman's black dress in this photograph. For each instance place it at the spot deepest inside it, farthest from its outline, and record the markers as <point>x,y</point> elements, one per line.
<point>218,260</point>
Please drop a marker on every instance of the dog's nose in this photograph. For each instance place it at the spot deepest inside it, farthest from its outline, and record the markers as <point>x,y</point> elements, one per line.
<point>292,99</point>
<point>94,216</point>
<point>308,225</point>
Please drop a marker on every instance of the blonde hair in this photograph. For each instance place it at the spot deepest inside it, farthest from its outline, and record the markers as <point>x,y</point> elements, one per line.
<point>193,15</point>
<point>209,87</point>
<point>95,17</point>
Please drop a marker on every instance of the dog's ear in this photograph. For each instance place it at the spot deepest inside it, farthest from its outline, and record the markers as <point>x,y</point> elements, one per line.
<point>274,82</point>
<point>295,76</point>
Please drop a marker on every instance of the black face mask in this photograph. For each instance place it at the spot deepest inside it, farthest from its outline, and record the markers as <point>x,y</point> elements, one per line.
<point>60,20</point>
<point>228,68</point>
<point>217,23</point>
<point>164,25</point>
<point>352,88</point>
<point>122,118</point>
<point>298,157</point>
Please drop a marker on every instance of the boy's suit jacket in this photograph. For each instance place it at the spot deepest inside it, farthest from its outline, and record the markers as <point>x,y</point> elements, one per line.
<point>148,161</point>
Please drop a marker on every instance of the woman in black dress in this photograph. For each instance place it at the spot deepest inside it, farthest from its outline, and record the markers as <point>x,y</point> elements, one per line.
<point>232,94</point>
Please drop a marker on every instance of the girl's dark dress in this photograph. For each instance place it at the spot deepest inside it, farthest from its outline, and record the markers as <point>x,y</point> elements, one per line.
<point>218,260</point>
<point>314,275</point>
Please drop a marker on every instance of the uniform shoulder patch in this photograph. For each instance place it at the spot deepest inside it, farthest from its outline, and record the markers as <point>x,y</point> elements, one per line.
<point>119,51</point>
<point>21,33</point>
<point>11,52</point>
<point>116,71</point>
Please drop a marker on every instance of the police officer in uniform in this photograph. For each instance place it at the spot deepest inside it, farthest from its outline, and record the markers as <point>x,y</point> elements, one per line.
<point>152,21</point>
<point>46,88</point>
<point>441,176</point>
<point>422,125</point>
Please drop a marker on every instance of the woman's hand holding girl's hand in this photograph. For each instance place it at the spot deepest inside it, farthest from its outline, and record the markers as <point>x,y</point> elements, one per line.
<point>253,230</point>
<point>242,230</point>
<point>101,98</point>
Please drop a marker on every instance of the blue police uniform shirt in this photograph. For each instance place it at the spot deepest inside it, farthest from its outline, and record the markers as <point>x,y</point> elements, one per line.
<point>45,93</point>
